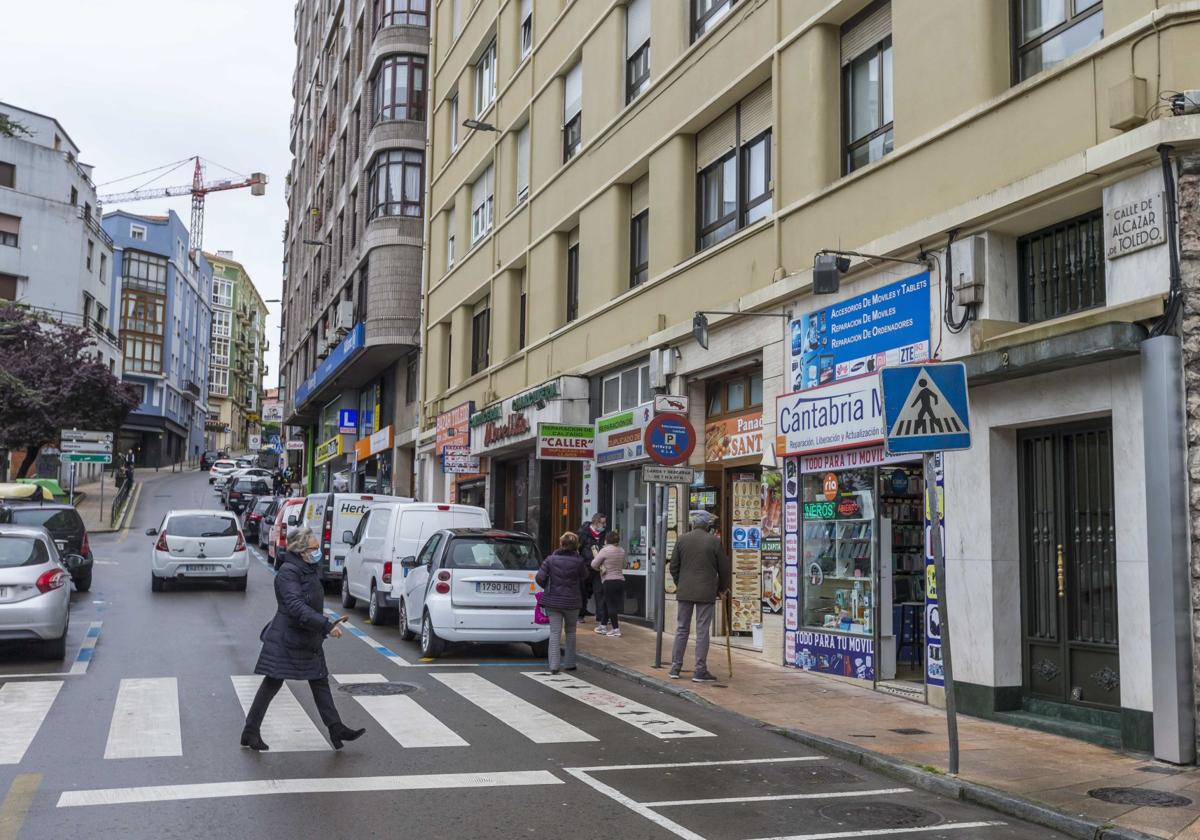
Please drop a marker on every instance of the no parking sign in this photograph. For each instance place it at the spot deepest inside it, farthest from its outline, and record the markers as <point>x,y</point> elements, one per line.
<point>669,439</point>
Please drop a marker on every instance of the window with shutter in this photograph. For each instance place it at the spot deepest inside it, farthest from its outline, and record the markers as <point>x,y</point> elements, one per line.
<point>733,163</point>
<point>572,111</point>
<point>523,163</point>
<point>867,86</point>
<point>637,48</point>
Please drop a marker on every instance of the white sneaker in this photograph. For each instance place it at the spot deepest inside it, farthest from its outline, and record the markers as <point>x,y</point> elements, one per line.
<point>602,629</point>
<point>616,632</point>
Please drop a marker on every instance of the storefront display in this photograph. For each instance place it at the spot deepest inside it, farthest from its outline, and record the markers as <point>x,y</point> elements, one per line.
<point>746,545</point>
<point>452,448</point>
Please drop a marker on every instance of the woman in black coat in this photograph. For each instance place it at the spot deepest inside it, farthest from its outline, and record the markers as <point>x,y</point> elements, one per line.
<point>561,576</point>
<point>292,641</point>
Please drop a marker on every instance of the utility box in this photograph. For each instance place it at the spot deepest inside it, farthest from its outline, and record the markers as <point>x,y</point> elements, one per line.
<point>970,270</point>
<point>1127,104</point>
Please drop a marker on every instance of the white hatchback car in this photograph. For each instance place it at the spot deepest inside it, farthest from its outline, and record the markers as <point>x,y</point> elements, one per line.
<point>35,590</point>
<point>199,544</point>
<point>220,469</point>
<point>472,585</point>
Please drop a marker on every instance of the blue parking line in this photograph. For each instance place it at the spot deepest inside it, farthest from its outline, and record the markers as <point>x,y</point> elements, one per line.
<point>85,655</point>
<point>93,632</point>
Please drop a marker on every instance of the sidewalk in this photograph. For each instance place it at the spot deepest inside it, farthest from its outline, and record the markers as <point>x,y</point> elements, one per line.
<point>1015,770</point>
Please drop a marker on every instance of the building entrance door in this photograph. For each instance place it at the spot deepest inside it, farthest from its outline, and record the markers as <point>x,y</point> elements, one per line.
<point>1068,565</point>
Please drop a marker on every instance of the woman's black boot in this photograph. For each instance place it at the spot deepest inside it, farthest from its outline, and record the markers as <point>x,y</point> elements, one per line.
<point>251,739</point>
<point>340,732</point>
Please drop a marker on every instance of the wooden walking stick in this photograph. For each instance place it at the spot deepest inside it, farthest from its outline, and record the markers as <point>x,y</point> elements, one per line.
<point>729,622</point>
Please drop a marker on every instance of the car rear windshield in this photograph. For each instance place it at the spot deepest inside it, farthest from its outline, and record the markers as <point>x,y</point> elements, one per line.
<point>251,485</point>
<point>201,526</point>
<point>483,553</point>
<point>22,551</point>
<point>60,523</point>
<point>263,506</point>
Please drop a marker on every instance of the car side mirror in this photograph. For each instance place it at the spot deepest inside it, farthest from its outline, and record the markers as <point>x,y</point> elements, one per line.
<point>348,537</point>
<point>292,520</point>
<point>409,563</point>
<point>151,532</point>
<point>73,559</point>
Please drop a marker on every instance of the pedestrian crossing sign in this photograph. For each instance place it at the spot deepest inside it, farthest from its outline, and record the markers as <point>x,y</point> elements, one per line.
<point>925,408</point>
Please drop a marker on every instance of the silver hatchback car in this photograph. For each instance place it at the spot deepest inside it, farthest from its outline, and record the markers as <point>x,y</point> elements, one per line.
<point>35,590</point>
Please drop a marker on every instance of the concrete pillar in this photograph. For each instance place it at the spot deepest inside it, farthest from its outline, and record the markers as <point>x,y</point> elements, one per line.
<point>604,248</point>
<point>545,138</point>
<point>546,299</point>
<point>809,115</point>
<point>460,344</point>
<point>506,313</point>
<point>673,190</point>
<point>604,73</point>
<point>435,361</point>
<point>670,35</point>
<point>1189,261</point>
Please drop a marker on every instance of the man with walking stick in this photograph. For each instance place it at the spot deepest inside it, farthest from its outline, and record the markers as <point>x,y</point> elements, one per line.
<point>701,572</point>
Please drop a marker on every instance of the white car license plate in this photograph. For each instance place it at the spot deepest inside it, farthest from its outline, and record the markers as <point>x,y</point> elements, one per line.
<point>198,567</point>
<point>498,588</point>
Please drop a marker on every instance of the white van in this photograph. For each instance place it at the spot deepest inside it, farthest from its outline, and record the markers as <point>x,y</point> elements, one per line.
<point>330,516</point>
<point>387,534</point>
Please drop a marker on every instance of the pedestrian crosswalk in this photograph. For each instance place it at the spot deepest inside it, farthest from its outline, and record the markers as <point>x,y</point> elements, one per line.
<point>148,715</point>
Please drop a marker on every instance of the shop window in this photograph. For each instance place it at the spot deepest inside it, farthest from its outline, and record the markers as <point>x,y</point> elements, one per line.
<point>1061,268</point>
<point>735,393</point>
<point>706,14</point>
<point>867,87</point>
<point>1049,31</point>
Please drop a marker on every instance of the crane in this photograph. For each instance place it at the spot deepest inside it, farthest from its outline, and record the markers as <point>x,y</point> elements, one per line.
<point>199,188</point>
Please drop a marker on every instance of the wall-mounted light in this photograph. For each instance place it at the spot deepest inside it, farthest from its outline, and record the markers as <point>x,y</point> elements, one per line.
<point>700,322</point>
<point>478,125</point>
<point>830,264</point>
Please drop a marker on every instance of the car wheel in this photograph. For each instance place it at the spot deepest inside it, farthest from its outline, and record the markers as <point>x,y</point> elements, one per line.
<point>431,645</point>
<point>157,584</point>
<point>540,649</point>
<point>376,612</point>
<point>57,648</point>
<point>348,600</point>
<point>84,582</point>
<point>405,634</point>
<point>239,584</point>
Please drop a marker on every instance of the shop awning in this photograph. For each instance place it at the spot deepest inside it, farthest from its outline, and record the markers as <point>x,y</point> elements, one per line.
<point>1069,350</point>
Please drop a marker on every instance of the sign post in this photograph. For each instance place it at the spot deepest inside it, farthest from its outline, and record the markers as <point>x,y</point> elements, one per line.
<point>925,410</point>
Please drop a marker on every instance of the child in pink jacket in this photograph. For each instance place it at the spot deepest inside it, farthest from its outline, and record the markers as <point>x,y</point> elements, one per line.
<point>610,561</point>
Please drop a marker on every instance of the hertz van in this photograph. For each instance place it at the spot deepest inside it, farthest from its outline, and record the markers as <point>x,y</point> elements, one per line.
<point>330,516</point>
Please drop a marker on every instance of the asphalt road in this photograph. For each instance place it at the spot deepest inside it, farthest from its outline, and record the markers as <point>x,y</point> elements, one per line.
<point>135,735</point>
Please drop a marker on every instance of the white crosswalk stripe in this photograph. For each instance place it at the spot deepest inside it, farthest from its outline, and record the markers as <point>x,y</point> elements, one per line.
<point>23,707</point>
<point>145,720</point>
<point>537,725</point>
<point>407,722</point>
<point>650,721</point>
<point>286,727</point>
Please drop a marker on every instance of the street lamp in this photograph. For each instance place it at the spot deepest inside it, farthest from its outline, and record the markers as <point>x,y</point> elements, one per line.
<point>830,264</point>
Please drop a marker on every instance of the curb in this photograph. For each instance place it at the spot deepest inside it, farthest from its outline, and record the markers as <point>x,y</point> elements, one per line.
<point>936,783</point>
<point>129,506</point>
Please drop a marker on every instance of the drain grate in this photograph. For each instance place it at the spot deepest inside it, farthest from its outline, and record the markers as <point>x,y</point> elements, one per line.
<point>1140,796</point>
<point>876,815</point>
<point>377,689</point>
<point>1162,771</point>
<point>911,731</point>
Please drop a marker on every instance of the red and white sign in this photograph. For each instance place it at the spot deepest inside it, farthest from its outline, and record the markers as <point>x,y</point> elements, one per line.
<point>670,404</point>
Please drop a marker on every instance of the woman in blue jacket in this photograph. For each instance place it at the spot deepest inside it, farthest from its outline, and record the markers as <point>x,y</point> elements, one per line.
<point>292,642</point>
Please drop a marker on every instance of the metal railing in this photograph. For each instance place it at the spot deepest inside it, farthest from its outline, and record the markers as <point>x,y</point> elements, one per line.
<point>90,221</point>
<point>120,501</point>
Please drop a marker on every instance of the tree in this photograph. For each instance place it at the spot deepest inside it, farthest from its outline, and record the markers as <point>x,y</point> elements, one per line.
<point>50,380</point>
<point>11,128</point>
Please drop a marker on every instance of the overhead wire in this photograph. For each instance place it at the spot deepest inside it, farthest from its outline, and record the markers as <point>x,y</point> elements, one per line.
<point>174,165</point>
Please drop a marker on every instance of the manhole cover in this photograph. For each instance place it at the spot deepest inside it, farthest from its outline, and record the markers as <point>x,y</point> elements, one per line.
<point>910,731</point>
<point>877,815</point>
<point>376,689</point>
<point>1140,796</point>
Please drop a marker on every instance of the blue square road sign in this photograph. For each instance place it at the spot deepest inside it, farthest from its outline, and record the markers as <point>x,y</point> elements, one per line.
<point>925,408</point>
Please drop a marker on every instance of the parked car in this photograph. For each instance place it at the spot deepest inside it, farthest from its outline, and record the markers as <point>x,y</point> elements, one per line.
<point>239,490</point>
<point>258,515</point>
<point>256,472</point>
<point>245,462</point>
<point>277,542</point>
<point>35,593</point>
<point>472,585</point>
<point>210,457</point>
<point>331,515</point>
<point>386,533</point>
<point>202,544</point>
<point>66,528</point>
<point>220,469</point>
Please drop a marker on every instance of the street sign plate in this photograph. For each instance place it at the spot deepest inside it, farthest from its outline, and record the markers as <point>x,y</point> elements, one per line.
<point>669,439</point>
<point>670,404</point>
<point>925,408</point>
<point>656,474</point>
<point>86,458</point>
<point>86,446</point>
<point>81,435</point>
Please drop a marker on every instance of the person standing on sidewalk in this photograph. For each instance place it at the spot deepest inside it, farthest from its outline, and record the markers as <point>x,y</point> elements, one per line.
<point>701,573</point>
<point>561,576</point>
<point>610,562</point>
<point>591,538</point>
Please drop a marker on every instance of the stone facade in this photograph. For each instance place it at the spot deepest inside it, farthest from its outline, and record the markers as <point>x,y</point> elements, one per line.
<point>1189,260</point>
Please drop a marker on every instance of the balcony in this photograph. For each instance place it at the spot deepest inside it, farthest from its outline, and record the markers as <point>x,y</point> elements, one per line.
<point>192,388</point>
<point>92,225</point>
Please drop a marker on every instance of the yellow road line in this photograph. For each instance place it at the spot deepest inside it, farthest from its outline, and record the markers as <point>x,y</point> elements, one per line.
<point>130,509</point>
<point>16,804</point>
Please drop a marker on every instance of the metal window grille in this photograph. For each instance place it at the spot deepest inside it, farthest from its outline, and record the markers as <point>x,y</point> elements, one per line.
<point>1062,268</point>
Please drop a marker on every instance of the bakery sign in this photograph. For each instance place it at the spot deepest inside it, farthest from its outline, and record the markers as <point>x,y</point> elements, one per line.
<point>733,438</point>
<point>1133,226</point>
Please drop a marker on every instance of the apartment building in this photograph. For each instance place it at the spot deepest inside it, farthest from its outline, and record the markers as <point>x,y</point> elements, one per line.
<point>609,181</point>
<point>54,255</point>
<point>236,365</point>
<point>352,273</point>
<point>161,290</point>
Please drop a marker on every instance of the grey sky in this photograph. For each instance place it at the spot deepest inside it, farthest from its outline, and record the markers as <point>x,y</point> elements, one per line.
<point>141,83</point>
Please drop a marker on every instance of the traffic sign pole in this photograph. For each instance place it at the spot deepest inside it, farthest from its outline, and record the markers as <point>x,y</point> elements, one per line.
<point>939,571</point>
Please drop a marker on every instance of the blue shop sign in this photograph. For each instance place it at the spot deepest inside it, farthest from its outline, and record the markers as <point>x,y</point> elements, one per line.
<point>340,355</point>
<point>884,326</point>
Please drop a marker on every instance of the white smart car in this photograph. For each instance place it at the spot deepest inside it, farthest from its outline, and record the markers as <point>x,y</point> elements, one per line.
<point>472,585</point>
<point>198,544</point>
